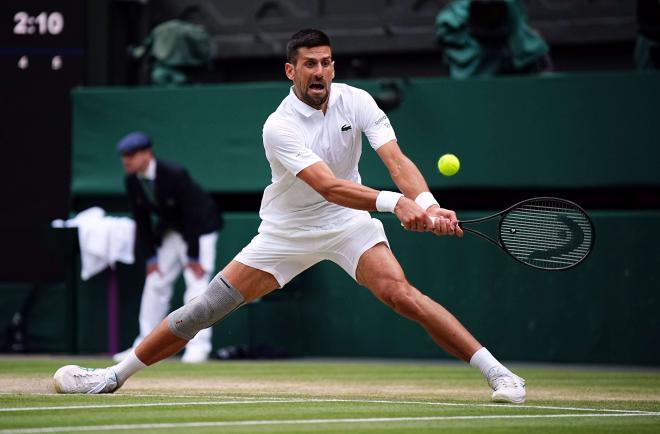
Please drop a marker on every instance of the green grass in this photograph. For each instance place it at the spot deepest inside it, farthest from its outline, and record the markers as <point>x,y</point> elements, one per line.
<point>323,397</point>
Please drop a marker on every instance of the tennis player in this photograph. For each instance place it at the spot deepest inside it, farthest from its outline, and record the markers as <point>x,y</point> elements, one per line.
<point>316,209</point>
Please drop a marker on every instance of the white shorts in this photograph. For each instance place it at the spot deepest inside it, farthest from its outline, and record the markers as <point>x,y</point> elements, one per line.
<point>287,256</point>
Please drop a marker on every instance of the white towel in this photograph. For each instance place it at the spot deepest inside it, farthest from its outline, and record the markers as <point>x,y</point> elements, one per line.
<point>104,240</point>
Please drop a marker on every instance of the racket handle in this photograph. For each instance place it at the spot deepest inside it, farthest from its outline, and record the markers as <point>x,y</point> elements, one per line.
<point>459,223</point>
<point>435,219</point>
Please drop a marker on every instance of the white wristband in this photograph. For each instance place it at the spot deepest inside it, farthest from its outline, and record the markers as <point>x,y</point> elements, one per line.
<point>426,200</point>
<point>387,200</point>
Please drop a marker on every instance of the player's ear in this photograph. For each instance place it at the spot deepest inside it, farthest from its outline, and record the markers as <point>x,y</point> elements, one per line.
<point>289,70</point>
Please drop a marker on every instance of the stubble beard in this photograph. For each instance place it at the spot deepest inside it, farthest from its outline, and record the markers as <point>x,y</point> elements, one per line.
<point>315,102</point>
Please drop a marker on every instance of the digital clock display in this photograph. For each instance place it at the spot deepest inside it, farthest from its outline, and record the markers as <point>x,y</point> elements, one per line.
<point>43,23</point>
<point>44,33</point>
<point>42,57</point>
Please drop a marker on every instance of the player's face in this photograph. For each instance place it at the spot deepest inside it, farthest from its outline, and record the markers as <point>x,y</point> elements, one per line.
<point>136,162</point>
<point>312,75</point>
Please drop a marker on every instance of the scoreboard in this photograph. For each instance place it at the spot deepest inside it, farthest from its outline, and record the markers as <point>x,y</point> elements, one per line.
<point>42,57</point>
<point>42,36</point>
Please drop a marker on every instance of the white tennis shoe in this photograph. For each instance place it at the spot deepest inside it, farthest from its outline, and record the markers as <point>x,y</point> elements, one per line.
<point>75,379</point>
<point>507,386</point>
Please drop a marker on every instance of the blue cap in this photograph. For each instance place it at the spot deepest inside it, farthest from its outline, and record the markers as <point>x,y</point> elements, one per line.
<point>133,142</point>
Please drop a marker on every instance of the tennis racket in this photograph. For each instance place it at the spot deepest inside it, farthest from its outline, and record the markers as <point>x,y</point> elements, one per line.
<point>546,233</point>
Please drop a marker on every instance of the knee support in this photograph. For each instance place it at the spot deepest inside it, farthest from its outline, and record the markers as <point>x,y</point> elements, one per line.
<point>218,301</point>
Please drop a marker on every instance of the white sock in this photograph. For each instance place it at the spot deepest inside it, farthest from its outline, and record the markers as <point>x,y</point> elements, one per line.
<point>484,361</point>
<point>127,367</point>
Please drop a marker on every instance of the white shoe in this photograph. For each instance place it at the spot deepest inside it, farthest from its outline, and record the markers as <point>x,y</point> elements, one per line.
<point>119,357</point>
<point>507,387</point>
<point>194,356</point>
<point>75,379</point>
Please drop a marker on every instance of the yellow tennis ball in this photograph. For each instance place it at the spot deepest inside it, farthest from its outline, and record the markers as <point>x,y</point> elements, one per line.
<point>449,164</point>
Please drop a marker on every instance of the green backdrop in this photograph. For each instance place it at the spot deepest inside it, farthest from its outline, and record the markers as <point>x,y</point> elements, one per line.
<point>557,131</point>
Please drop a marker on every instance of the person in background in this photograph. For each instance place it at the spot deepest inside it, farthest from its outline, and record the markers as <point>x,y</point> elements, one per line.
<point>177,226</point>
<point>481,38</point>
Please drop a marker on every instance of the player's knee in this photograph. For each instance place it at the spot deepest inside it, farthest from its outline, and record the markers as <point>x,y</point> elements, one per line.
<point>218,301</point>
<point>403,298</point>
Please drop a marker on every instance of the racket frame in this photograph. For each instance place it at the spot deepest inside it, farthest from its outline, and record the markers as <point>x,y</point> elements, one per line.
<point>501,215</point>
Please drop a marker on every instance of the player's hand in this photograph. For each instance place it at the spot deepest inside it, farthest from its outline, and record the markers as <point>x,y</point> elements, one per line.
<point>196,268</point>
<point>445,221</point>
<point>412,216</point>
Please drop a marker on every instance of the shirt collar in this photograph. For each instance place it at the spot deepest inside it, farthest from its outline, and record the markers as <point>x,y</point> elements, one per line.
<point>150,173</point>
<point>307,110</point>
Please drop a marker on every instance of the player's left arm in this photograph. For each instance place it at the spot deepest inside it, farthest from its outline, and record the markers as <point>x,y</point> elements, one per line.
<point>411,183</point>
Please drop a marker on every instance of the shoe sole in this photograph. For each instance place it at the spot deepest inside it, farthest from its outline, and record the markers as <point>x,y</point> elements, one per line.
<point>508,400</point>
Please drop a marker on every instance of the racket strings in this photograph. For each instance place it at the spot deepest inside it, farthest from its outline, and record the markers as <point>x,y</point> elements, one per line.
<point>547,234</point>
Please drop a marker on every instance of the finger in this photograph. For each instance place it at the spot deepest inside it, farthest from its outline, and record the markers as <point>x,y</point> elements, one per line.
<point>429,223</point>
<point>447,228</point>
<point>416,224</point>
<point>436,225</point>
<point>452,227</point>
<point>437,228</point>
<point>444,226</point>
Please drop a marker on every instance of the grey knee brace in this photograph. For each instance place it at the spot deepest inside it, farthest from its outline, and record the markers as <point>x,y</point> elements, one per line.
<point>219,300</point>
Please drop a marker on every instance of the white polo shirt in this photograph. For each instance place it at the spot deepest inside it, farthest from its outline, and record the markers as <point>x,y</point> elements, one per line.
<point>296,136</point>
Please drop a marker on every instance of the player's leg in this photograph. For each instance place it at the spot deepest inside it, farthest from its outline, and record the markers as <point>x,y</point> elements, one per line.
<point>235,285</point>
<point>199,348</point>
<point>380,272</point>
<point>267,263</point>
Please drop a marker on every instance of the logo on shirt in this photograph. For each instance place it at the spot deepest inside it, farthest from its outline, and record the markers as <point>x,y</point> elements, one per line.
<point>345,127</point>
<point>384,121</point>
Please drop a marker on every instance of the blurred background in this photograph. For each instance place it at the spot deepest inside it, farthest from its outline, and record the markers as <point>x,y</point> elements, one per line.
<point>536,97</point>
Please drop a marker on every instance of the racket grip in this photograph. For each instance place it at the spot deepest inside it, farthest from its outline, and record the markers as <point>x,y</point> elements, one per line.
<point>458,224</point>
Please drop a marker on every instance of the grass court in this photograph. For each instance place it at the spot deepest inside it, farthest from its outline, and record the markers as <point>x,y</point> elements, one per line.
<point>321,396</point>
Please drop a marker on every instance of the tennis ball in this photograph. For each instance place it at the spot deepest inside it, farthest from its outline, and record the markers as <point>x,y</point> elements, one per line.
<point>449,164</point>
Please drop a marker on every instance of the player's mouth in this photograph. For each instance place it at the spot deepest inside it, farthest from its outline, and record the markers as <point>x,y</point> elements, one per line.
<point>316,88</point>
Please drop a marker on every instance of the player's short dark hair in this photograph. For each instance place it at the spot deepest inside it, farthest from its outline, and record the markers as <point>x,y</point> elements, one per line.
<point>308,38</point>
